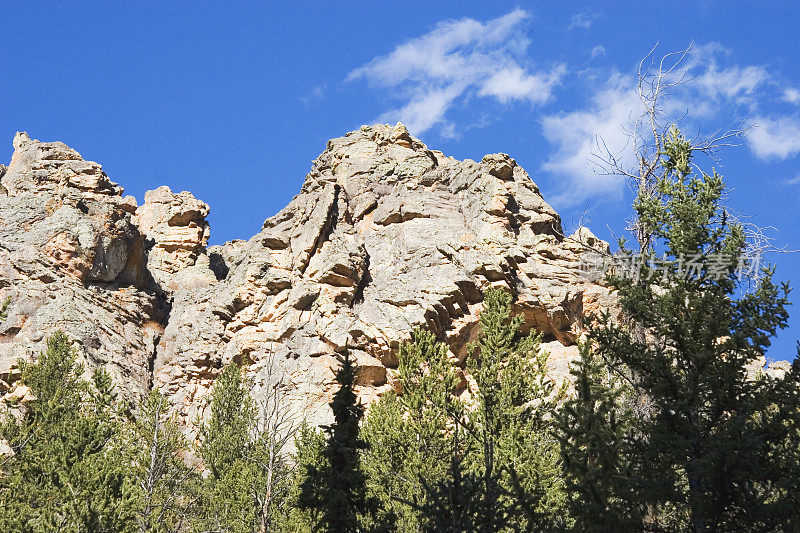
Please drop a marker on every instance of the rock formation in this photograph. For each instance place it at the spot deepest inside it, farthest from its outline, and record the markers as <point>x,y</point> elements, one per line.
<point>71,258</point>
<point>385,235</point>
<point>176,234</point>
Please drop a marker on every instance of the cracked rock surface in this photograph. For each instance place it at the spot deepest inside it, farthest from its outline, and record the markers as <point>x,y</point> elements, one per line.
<point>71,259</point>
<point>384,236</point>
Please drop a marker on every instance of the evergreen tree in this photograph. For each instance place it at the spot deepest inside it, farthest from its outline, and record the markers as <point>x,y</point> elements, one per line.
<point>592,426</point>
<point>453,503</point>
<point>234,452</point>
<point>775,477</point>
<point>339,488</point>
<point>308,457</point>
<point>489,465</point>
<point>518,452</point>
<point>67,472</point>
<point>688,335</point>
<point>408,433</point>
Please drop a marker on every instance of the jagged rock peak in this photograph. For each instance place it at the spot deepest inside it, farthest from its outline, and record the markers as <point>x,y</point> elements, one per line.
<point>54,165</point>
<point>384,154</point>
<point>71,259</point>
<point>385,235</point>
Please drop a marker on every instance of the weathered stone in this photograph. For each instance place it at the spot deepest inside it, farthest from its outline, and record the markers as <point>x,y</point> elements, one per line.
<point>71,259</point>
<point>384,236</point>
<point>177,233</point>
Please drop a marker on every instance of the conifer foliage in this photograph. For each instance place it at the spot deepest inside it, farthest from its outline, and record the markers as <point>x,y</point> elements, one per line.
<point>481,459</point>
<point>410,451</point>
<point>592,427</point>
<point>232,496</point>
<point>338,488</point>
<point>511,423</point>
<point>696,452</point>
<point>161,479</point>
<point>65,474</point>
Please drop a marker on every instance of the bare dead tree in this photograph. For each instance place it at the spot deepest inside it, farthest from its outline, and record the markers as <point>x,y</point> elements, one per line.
<point>650,128</point>
<point>276,426</point>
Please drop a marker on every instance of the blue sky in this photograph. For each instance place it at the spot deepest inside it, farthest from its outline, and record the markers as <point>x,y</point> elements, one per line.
<point>233,101</point>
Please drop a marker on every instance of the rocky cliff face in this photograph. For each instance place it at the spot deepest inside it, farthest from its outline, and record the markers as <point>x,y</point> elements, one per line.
<point>385,235</point>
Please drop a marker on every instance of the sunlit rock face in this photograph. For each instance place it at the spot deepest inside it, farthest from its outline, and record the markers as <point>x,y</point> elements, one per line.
<point>385,235</point>
<point>71,259</point>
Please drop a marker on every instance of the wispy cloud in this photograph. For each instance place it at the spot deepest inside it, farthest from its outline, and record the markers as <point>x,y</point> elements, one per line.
<point>597,51</point>
<point>712,87</point>
<point>791,95</point>
<point>316,94</point>
<point>792,181</point>
<point>577,134</point>
<point>583,20</point>
<point>775,138</point>
<point>455,60</point>
<point>732,82</point>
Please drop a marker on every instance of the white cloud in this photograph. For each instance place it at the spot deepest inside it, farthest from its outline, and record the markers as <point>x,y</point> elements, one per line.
<point>775,138</point>
<point>792,181</point>
<point>597,51</point>
<point>458,59</point>
<point>731,82</point>
<point>514,83</point>
<point>791,95</point>
<point>576,136</point>
<point>316,94</point>
<point>713,88</point>
<point>583,20</point>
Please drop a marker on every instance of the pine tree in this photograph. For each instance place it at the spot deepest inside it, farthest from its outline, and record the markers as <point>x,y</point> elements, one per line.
<point>339,488</point>
<point>67,472</point>
<point>453,503</point>
<point>410,450</point>
<point>592,426</point>
<point>518,452</point>
<point>775,477</point>
<point>490,465</point>
<point>308,457</point>
<point>232,450</point>
<point>685,344</point>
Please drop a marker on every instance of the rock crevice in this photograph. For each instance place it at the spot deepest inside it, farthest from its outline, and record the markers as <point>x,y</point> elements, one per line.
<point>385,235</point>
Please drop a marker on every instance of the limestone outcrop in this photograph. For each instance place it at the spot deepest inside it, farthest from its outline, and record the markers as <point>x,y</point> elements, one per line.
<point>385,235</point>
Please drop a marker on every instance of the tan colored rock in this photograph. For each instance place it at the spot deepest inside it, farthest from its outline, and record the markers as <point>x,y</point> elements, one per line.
<point>175,227</point>
<point>71,259</point>
<point>384,236</point>
<point>5,449</point>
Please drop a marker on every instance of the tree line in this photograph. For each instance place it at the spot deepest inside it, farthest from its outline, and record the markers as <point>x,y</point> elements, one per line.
<point>665,425</point>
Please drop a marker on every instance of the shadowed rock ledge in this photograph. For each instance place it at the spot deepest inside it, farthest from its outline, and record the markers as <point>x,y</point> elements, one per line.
<point>384,236</point>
